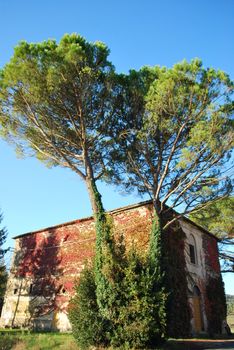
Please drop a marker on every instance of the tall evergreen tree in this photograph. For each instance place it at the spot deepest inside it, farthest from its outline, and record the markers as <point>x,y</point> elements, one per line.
<point>175,140</point>
<point>56,100</point>
<point>174,143</point>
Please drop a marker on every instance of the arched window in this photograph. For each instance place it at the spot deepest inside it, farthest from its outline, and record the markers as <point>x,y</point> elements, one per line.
<point>196,291</point>
<point>192,250</point>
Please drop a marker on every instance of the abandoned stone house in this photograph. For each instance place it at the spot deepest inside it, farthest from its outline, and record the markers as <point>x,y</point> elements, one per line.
<point>47,262</point>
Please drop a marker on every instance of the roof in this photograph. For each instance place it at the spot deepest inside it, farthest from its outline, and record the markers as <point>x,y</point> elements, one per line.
<point>114,211</point>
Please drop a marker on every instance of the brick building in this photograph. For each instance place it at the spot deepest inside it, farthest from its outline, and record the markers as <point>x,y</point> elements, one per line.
<point>47,262</point>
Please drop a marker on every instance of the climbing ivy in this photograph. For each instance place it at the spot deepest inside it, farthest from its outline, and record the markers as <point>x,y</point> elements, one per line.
<point>106,267</point>
<point>177,307</point>
<point>124,289</point>
<point>167,260</point>
<point>216,308</point>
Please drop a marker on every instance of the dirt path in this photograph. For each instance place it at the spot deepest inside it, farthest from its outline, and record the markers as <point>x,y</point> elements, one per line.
<point>210,344</point>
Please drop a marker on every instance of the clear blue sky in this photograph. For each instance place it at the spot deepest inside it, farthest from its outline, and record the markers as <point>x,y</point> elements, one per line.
<point>138,33</point>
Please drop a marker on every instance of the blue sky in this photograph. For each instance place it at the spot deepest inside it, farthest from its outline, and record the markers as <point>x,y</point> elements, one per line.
<point>138,33</point>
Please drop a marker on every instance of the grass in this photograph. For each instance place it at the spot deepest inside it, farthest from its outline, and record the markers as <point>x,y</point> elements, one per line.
<point>36,341</point>
<point>26,340</point>
<point>230,321</point>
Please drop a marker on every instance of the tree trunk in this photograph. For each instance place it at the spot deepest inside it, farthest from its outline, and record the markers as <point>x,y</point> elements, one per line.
<point>94,195</point>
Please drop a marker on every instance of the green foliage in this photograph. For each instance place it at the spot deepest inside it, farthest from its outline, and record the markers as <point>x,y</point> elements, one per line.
<point>135,313</point>
<point>3,281</point>
<point>230,304</point>
<point>21,340</point>
<point>217,217</point>
<point>140,319</point>
<point>215,304</point>
<point>88,326</point>
<point>176,143</point>
<point>155,247</point>
<point>7,342</point>
<point>55,101</point>
<point>170,131</point>
<point>123,294</point>
<point>106,260</point>
<point>176,284</point>
<point>141,312</point>
<point>167,263</point>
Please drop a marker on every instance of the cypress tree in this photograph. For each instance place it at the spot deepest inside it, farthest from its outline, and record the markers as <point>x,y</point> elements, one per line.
<point>88,326</point>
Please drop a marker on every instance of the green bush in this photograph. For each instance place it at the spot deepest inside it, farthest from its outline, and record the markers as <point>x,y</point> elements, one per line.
<point>141,314</point>
<point>120,301</point>
<point>136,315</point>
<point>89,328</point>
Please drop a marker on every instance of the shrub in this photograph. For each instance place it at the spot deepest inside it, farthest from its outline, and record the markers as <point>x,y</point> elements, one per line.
<point>89,327</point>
<point>120,301</point>
<point>141,319</point>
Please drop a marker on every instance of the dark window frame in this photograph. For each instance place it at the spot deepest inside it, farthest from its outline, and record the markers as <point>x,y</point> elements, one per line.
<point>192,254</point>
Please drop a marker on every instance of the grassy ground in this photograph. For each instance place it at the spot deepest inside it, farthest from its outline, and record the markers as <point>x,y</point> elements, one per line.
<point>36,341</point>
<point>19,340</point>
<point>230,321</point>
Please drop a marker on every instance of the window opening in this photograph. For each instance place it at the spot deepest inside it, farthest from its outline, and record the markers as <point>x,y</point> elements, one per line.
<point>192,254</point>
<point>192,250</point>
<point>31,288</point>
<point>61,289</point>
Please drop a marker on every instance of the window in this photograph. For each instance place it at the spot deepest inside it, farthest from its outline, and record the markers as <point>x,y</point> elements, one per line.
<point>196,291</point>
<point>15,290</point>
<point>61,289</point>
<point>31,288</point>
<point>192,251</point>
<point>192,254</point>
